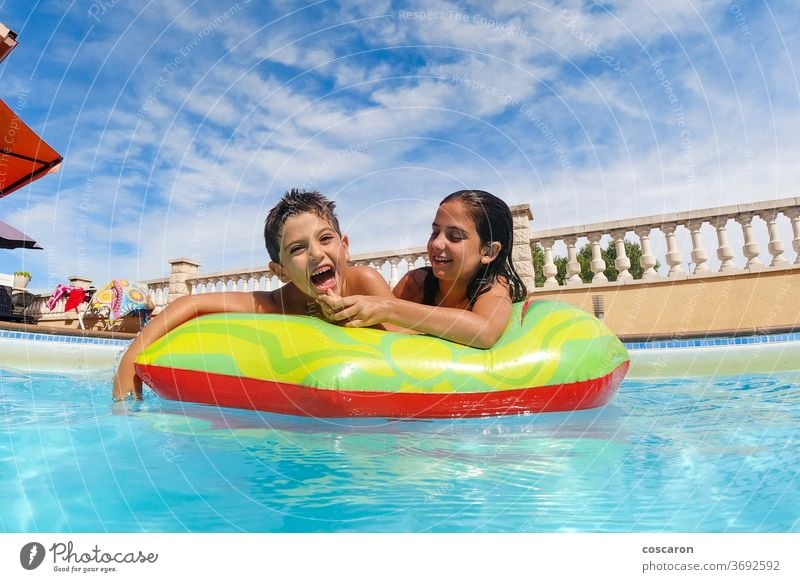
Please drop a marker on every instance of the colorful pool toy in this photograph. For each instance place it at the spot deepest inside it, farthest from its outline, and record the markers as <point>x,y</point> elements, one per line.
<point>552,357</point>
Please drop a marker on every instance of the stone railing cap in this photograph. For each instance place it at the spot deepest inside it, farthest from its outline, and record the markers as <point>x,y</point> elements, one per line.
<point>522,209</point>
<point>395,253</point>
<point>183,260</point>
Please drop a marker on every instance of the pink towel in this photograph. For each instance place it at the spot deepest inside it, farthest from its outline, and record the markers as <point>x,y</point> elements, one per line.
<point>58,293</point>
<point>75,296</point>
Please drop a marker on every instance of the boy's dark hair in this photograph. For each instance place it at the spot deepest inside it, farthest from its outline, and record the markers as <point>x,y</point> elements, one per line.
<point>493,221</point>
<point>296,202</point>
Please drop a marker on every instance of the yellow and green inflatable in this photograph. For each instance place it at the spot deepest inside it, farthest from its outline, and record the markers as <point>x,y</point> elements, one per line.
<point>552,357</point>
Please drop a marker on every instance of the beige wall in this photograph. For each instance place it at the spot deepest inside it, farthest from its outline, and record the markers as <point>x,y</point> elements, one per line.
<point>712,303</point>
<point>70,321</point>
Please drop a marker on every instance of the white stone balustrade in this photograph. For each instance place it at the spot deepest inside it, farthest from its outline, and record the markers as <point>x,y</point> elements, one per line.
<point>159,291</point>
<point>769,213</point>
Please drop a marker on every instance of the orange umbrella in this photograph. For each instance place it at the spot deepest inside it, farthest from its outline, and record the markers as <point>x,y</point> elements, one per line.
<point>24,156</point>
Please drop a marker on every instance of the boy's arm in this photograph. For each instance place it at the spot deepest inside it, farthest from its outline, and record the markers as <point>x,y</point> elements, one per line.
<point>180,311</point>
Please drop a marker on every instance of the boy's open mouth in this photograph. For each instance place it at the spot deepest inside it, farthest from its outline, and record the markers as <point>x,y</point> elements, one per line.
<point>323,279</point>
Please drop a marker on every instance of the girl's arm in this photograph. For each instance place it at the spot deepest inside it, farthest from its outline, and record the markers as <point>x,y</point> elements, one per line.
<point>479,328</point>
<point>364,281</point>
<point>180,311</point>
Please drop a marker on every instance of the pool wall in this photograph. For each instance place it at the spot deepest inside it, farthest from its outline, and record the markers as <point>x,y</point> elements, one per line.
<point>756,354</point>
<point>45,352</point>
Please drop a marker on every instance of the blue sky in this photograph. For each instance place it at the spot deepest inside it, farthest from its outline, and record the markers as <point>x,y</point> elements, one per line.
<point>181,123</point>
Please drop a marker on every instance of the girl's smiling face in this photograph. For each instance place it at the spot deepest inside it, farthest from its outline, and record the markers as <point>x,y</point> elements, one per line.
<point>313,255</point>
<point>454,247</point>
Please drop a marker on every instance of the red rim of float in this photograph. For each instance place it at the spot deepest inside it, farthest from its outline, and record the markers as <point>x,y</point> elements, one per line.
<point>282,398</point>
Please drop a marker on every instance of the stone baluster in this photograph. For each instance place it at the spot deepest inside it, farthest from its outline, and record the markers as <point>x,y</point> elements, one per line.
<point>394,272</point>
<point>245,280</point>
<point>521,255</point>
<point>775,246</point>
<point>674,257</point>
<point>794,215</point>
<point>724,250</point>
<point>157,295</point>
<point>549,269</point>
<point>268,280</point>
<point>648,260</point>
<point>573,266</point>
<point>698,254</point>
<point>750,248</point>
<point>622,262</point>
<point>598,265</point>
<point>411,261</point>
<point>180,271</point>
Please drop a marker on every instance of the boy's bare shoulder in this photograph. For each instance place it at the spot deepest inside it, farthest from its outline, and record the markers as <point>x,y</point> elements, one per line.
<point>365,281</point>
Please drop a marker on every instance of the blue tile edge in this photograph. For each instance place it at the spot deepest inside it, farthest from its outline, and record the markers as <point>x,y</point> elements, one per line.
<point>715,341</point>
<point>69,339</point>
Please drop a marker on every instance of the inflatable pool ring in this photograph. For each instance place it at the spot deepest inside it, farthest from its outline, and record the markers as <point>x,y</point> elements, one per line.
<point>551,357</point>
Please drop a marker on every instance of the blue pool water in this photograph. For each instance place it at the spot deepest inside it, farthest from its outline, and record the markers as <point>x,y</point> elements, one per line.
<point>685,455</point>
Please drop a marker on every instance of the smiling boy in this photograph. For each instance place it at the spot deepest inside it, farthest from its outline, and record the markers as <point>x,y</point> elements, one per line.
<point>307,252</point>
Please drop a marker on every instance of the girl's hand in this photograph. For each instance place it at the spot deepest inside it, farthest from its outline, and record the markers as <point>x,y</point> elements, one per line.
<point>354,310</point>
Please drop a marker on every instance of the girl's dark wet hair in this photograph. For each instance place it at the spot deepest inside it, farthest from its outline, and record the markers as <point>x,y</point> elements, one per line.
<point>296,202</point>
<point>492,218</point>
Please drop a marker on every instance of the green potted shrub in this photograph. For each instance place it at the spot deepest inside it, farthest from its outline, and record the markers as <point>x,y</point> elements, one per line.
<point>21,279</point>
